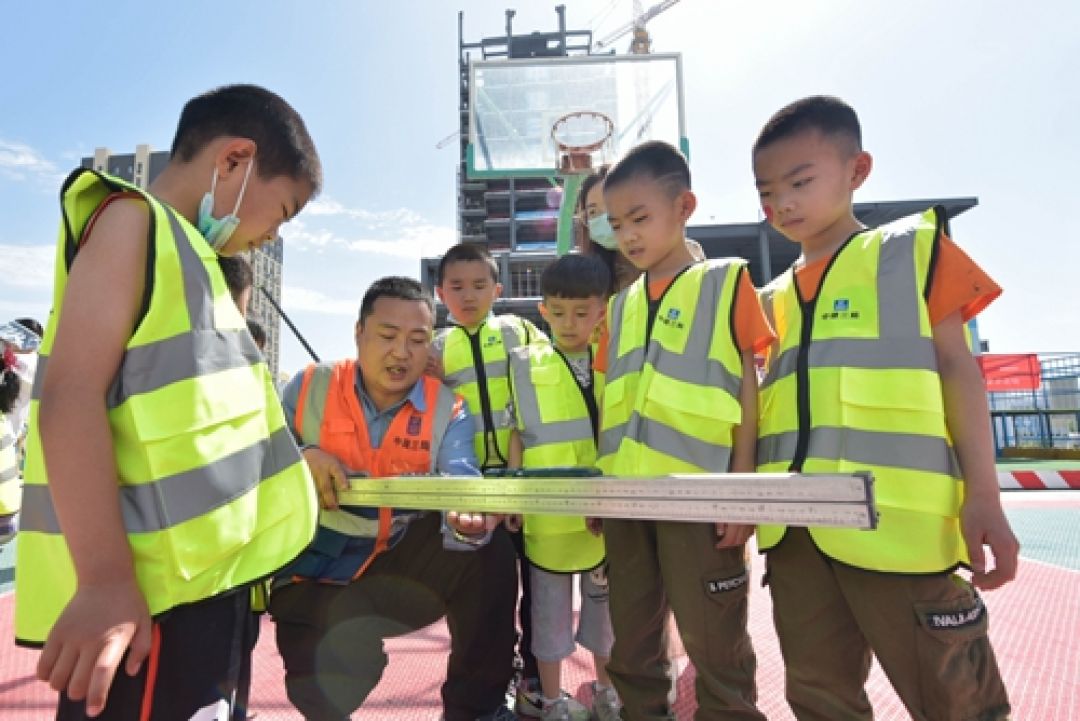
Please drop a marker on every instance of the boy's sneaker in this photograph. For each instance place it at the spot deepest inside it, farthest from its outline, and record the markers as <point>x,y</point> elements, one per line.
<point>566,708</point>
<point>606,703</point>
<point>529,699</point>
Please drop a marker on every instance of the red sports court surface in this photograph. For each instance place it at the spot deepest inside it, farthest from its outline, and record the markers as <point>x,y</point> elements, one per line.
<point>1035,627</point>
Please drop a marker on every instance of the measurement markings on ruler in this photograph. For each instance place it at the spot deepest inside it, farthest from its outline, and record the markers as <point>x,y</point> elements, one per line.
<point>791,499</point>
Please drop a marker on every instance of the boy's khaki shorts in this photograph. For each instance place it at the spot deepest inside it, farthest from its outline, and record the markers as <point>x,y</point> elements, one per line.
<point>929,633</point>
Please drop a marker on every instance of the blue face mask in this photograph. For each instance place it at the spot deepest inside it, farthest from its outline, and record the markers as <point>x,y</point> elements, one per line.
<point>217,231</point>
<point>600,232</point>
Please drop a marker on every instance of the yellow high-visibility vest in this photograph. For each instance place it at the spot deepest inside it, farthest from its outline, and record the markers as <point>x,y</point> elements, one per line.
<point>214,494</point>
<point>10,490</point>
<point>852,385</point>
<point>474,366</point>
<point>556,419</point>
<point>671,395</point>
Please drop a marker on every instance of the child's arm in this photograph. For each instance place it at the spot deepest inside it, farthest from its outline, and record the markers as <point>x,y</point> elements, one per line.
<point>108,614</point>
<point>982,519</point>
<point>743,449</point>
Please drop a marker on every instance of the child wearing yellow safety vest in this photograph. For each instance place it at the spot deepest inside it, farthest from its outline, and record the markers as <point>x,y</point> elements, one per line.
<point>10,486</point>
<point>161,480</point>
<point>470,356</point>
<point>872,371</point>
<point>679,397</point>
<point>556,413</point>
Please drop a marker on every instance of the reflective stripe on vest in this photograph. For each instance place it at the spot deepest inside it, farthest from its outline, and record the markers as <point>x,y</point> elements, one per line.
<point>330,414</point>
<point>672,399</point>
<point>213,492</point>
<point>9,469</point>
<point>553,420</point>
<point>854,386</point>
<point>474,365</point>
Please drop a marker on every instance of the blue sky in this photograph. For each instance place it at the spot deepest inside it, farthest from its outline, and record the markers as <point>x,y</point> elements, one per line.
<point>960,98</point>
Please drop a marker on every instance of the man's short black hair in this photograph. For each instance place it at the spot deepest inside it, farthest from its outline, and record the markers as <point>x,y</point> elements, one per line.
<point>395,286</point>
<point>258,333</point>
<point>284,147</point>
<point>467,252</point>
<point>238,274</point>
<point>576,276</point>
<point>655,160</point>
<point>828,115</point>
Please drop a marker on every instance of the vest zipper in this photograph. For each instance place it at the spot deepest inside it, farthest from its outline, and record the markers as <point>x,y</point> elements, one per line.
<point>802,360</point>
<point>485,402</point>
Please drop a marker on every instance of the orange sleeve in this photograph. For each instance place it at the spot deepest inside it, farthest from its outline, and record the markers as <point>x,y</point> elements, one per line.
<point>752,330</point>
<point>599,361</point>
<point>958,284</point>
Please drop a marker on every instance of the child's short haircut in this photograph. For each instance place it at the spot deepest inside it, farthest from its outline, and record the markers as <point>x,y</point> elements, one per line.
<point>828,115</point>
<point>238,274</point>
<point>576,276</point>
<point>247,111</point>
<point>394,286</point>
<point>467,252</point>
<point>655,160</point>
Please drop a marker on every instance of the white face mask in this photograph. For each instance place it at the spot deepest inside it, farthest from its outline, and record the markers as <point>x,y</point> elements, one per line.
<point>217,231</point>
<point>601,233</point>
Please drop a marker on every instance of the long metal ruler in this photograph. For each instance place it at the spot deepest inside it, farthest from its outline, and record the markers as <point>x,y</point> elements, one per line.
<point>844,501</point>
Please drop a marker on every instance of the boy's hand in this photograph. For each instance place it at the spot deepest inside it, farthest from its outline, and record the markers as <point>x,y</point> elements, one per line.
<point>513,522</point>
<point>330,476</point>
<point>983,523</point>
<point>472,524</point>
<point>732,535</point>
<point>594,525</point>
<point>87,643</point>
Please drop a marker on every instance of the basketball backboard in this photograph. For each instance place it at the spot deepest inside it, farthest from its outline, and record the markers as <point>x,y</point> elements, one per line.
<point>514,103</point>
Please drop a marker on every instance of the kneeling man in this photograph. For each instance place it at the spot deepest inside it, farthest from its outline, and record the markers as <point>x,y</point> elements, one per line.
<point>372,573</point>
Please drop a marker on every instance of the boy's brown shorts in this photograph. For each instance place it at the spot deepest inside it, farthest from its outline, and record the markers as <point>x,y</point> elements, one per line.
<point>929,633</point>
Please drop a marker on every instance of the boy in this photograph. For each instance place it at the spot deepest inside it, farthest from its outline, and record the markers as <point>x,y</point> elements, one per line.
<point>470,357</point>
<point>872,372</point>
<point>556,413</point>
<point>679,398</point>
<point>172,483</point>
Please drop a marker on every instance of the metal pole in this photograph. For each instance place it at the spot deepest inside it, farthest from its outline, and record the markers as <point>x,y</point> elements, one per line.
<point>290,324</point>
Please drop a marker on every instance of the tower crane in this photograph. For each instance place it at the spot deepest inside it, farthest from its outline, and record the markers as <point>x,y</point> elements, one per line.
<point>641,43</point>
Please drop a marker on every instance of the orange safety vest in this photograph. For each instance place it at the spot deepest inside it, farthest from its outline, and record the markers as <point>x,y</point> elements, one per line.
<point>329,414</point>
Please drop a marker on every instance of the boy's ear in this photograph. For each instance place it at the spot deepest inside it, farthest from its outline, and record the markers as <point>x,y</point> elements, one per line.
<point>543,311</point>
<point>862,164</point>
<point>498,290</point>
<point>232,154</point>
<point>439,294</point>
<point>687,204</point>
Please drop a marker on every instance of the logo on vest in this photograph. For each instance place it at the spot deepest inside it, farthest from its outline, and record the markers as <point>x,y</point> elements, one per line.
<point>724,585</point>
<point>954,620</point>
<point>841,310</point>
<point>491,341</point>
<point>671,319</point>
<point>413,426</point>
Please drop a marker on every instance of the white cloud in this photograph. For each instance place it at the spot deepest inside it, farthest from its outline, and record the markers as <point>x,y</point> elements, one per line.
<point>399,234</point>
<point>296,298</point>
<point>326,206</point>
<point>21,162</point>
<point>27,266</point>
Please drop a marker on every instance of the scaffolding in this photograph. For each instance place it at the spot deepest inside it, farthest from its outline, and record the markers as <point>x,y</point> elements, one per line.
<point>1044,417</point>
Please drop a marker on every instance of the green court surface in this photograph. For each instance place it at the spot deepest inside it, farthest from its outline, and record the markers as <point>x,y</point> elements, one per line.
<point>1048,535</point>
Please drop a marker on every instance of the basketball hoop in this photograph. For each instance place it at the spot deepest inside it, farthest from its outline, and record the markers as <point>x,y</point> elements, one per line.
<point>577,136</point>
